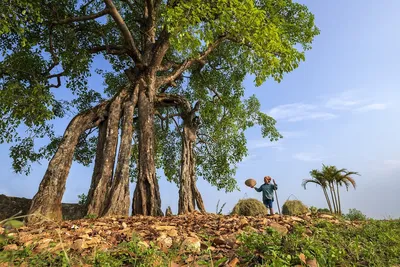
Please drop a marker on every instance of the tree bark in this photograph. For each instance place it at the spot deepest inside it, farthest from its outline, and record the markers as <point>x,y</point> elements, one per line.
<point>338,199</point>
<point>186,201</point>
<point>189,194</point>
<point>327,199</point>
<point>146,198</point>
<point>47,201</point>
<point>101,139</point>
<point>119,200</point>
<point>333,199</point>
<point>103,172</point>
<point>195,191</point>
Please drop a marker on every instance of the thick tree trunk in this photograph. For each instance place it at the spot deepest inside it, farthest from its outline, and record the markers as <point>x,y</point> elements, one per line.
<point>186,201</point>
<point>195,191</point>
<point>47,201</point>
<point>103,172</point>
<point>119,199</point>
<point>189,195</point>
<point>101,139</point>
<point>146,198</point>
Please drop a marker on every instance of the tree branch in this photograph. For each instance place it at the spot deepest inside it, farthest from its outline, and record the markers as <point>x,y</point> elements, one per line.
<point>110,49</point>
<point>134,52</point>
<point>58,76</point>
<point>161,47</point>
<point>168,116</point>
<point>216,94</point>
<point>188,63</point>
<point>83,18</point>
<point>55,75</point>
<point>165,100</point>
<point>51,48</point>
<point>168,65</point>
<point>177,127</point>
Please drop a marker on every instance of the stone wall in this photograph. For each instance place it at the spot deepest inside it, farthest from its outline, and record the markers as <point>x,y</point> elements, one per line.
<point>12,205</point>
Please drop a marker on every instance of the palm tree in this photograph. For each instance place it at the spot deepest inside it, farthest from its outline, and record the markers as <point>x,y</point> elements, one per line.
<point>330,173</point>
<point>344,178</point>
<point>318,178</point>
<point>331,177</point>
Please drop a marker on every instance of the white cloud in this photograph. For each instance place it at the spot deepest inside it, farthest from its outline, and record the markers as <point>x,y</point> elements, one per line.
<point>263,143</point>
<point>343,101</point>
<point>351,100</point>
<point>299,112</point>
<point>308,157</point>
<point>375,106</point>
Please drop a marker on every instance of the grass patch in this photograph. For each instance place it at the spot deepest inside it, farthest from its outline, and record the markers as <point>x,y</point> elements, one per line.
<point>375,243</point>
<point>371,243</point>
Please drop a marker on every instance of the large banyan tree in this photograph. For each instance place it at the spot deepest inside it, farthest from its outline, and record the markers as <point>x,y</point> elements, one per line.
<point>173,98</point>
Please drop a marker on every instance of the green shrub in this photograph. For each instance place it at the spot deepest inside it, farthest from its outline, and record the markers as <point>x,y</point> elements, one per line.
<point>355,215</point>
<point>294,207</point>
<point>324,210</point>
<point>250,207</point>
<point>82,199</point>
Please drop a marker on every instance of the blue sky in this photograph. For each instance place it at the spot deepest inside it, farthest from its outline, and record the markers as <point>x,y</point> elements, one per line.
<point>340,107</point>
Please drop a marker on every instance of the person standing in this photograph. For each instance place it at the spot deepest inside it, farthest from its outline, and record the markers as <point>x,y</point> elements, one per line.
<point>267,190</point>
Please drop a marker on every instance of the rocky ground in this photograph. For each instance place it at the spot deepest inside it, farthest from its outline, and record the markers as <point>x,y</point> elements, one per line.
<point>190,233</point>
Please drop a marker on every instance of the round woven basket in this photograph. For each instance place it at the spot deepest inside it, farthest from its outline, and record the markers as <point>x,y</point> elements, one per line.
<point>250,182</point>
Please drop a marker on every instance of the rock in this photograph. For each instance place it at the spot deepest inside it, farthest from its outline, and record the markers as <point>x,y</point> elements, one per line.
<point>10,247</point>
<point>74,227</point>
<point>143,245</point>
<point>191,244</point>
<point>164,228</point>
<point>326,216</point>
<point>312,263</point>
<point>172,233</point>
<point>25,237</point>
<point>93,241</point>
<point>243,222</point>
<point>296,219</point>
<point>233,262</point>
<point>79,244</point>
<point>218,241</point>
<point>302,258</point>
<point>85,236</point>
<point>164,241</point>
<point>229,241</point>
<point>168,211</point>
<point>279,228</point>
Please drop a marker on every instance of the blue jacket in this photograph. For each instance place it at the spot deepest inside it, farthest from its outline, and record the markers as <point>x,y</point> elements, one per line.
<point>267,190</point>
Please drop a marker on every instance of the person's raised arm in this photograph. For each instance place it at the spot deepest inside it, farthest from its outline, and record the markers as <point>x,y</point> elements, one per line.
<point>258,189</point>
<point>275,185</point>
